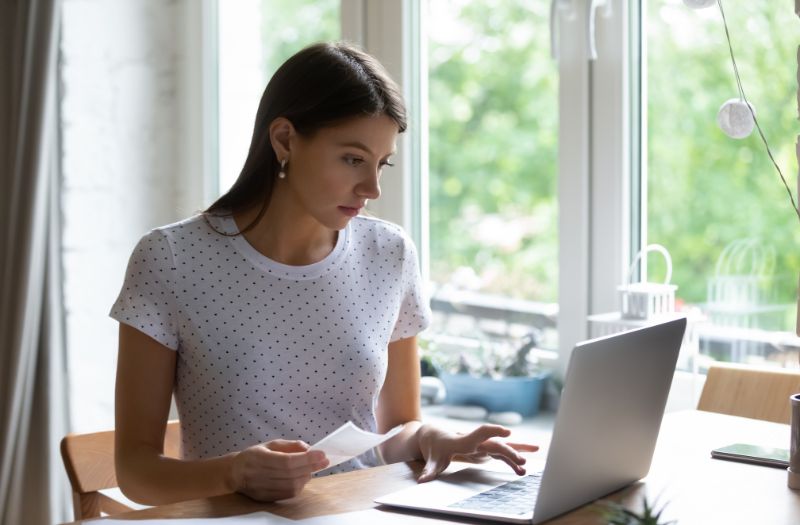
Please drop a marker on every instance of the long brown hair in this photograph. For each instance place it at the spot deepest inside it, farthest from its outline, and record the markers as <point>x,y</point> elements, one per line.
<point>321,85</point>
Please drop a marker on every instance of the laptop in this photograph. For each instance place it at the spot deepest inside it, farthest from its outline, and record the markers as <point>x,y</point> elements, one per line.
<point>605,432</point>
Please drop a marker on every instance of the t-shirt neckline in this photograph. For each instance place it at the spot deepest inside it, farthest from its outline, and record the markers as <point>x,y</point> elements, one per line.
<point>227,224</point>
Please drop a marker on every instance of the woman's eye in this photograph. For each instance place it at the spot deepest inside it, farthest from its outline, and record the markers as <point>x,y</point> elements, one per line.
<point>353,161</point>
<point>386,163</point>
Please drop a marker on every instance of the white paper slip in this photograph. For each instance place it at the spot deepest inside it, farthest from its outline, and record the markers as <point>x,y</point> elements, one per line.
<point>349,441</point>
<point>260,518</point>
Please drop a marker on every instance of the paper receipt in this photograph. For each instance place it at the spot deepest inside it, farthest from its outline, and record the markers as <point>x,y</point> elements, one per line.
<point>349,441</point>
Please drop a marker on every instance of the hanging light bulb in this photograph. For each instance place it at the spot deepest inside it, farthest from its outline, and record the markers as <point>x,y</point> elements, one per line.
<point>735,118</point>
<point>699,4</point>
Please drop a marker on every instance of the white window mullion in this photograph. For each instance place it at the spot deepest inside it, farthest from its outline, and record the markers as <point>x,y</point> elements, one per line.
<point>352,20</point>
<point>573,181</point>
<point>384,35</point>
<point>197,185</point>
<point>415,91</point>
<point>610,167</point>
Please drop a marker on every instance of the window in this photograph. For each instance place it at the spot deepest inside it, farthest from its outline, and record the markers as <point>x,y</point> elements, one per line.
<point>493,138</point>
<point>443,54</point>
<point>717,203</point>
<point>255,37</point>
<point>542,178</point>
<point>493,173</point>
<point>493,145</point>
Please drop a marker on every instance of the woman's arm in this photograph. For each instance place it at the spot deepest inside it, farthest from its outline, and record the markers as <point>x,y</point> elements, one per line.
<point>145,380</point>
<point>399,404</point>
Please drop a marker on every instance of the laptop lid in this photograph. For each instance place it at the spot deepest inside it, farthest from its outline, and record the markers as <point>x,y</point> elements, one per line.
<point>615,392</point>
<point>611,408</point>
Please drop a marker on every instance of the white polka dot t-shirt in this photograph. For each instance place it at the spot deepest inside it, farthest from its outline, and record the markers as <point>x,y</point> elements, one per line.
<point>269,351</point>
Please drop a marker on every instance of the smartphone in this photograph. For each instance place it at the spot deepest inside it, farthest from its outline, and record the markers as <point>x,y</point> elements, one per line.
<point>758,455</point>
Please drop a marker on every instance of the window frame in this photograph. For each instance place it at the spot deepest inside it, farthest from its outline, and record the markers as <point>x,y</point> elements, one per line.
<point>200,78</point>
<point>593,166</point>
<point>592,169</point>
<point>602,157</point>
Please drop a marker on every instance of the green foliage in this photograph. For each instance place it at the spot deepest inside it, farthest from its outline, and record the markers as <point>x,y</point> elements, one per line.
<point>494,136</point>
<point>705,189</point>
<point>493,146</point>
<point>494,131</point>
<point>290,25</point>
<point>616,514</point>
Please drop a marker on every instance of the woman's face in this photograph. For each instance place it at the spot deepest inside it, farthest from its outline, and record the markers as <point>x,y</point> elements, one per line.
<point>336,170</point>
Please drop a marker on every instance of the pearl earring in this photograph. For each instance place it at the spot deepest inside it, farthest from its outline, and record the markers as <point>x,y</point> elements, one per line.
<point>282,173</point>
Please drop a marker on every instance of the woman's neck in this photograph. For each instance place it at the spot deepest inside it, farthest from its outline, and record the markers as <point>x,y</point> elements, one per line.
<point>286,236</point>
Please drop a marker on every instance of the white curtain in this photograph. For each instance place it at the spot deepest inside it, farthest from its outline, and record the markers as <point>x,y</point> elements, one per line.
<point>33,416</point>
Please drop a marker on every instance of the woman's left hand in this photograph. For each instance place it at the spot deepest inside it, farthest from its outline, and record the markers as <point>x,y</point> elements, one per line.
<point>439,448</point>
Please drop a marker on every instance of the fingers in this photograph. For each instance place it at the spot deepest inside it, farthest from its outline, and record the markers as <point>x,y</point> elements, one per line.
<point>517,467</point>
<point>498,448</point>
<point>494,447</point>
<point>439,448</point>
<point>484,432</point>
<point>293,455</point>
<point>523,447</point>
<point>285,445</point>
<point>469,443</point>
<point>433,468</point>
<point>276,470</point>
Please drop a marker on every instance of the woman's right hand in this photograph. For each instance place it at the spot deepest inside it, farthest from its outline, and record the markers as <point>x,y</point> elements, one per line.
<point>275,470</point>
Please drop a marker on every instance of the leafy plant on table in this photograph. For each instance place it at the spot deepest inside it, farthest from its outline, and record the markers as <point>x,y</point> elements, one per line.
<point>616,514</point>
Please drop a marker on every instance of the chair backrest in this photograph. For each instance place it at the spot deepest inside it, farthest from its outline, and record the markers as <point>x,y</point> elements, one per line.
<point>89,461</point>
<point>757,393</point>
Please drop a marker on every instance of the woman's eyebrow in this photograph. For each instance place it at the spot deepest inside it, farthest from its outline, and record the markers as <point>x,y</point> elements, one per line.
<point>360,145</point>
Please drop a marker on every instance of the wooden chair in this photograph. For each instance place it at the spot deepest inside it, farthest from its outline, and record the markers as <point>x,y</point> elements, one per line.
<point>757,393</point>
<point>89,461</point>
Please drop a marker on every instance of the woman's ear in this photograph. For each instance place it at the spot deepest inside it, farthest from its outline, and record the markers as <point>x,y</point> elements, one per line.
<point>281,132</point>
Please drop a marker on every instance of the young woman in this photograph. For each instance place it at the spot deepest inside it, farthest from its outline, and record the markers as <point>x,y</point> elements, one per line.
<point>280,313</point>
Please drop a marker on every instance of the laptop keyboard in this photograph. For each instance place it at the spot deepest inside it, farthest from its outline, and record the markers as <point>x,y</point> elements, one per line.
<point>514,497</point>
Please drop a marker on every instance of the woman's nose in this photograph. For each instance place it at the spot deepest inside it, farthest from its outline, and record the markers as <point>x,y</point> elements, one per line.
<point>370,188</point>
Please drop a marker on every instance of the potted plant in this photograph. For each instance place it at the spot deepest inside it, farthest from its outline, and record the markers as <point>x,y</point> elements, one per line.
<point>499,376</point>
<point>617,514</point>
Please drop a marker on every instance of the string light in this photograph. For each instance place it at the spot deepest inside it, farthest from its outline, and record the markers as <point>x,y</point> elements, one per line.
<point>730,112</point>
<point>735,118</point>
<point>699,4</point>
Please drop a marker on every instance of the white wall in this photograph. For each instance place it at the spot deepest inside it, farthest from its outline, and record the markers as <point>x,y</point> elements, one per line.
<point>122,109</point>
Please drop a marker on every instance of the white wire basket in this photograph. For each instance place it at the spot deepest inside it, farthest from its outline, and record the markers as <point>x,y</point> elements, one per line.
<point>741,292</point>
<point>645,300</point>
<point>743,275</point>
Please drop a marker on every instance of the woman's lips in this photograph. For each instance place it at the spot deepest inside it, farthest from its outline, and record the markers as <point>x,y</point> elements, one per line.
<point>350,212</point>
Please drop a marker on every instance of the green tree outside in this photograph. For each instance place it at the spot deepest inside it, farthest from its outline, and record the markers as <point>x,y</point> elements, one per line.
<point>706,190</point>
<point>493,146</point>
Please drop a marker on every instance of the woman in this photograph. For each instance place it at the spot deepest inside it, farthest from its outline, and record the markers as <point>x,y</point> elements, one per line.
<point>270,314</point>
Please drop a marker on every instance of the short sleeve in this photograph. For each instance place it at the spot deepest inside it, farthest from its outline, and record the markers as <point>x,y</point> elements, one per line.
<point>415,312</point>
<point>147,299</point>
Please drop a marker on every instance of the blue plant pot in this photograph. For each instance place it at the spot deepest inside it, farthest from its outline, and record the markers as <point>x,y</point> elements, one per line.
<point>509,394</point>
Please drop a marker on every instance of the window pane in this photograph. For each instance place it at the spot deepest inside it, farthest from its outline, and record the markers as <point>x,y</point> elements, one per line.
<point>717,203</point>
<point>255,38</point>
<point>493,128</point>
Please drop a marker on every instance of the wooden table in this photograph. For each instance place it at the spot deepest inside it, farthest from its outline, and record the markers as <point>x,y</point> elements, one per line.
<point>696,488</point>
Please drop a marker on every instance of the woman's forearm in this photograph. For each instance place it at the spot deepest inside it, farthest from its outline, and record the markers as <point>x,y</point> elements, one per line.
<point>150,478</point>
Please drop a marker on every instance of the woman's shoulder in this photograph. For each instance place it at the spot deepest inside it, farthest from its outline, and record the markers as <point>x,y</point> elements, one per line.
<point>195,222</point>
<point>177,236</point>
<point>194,225</point>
